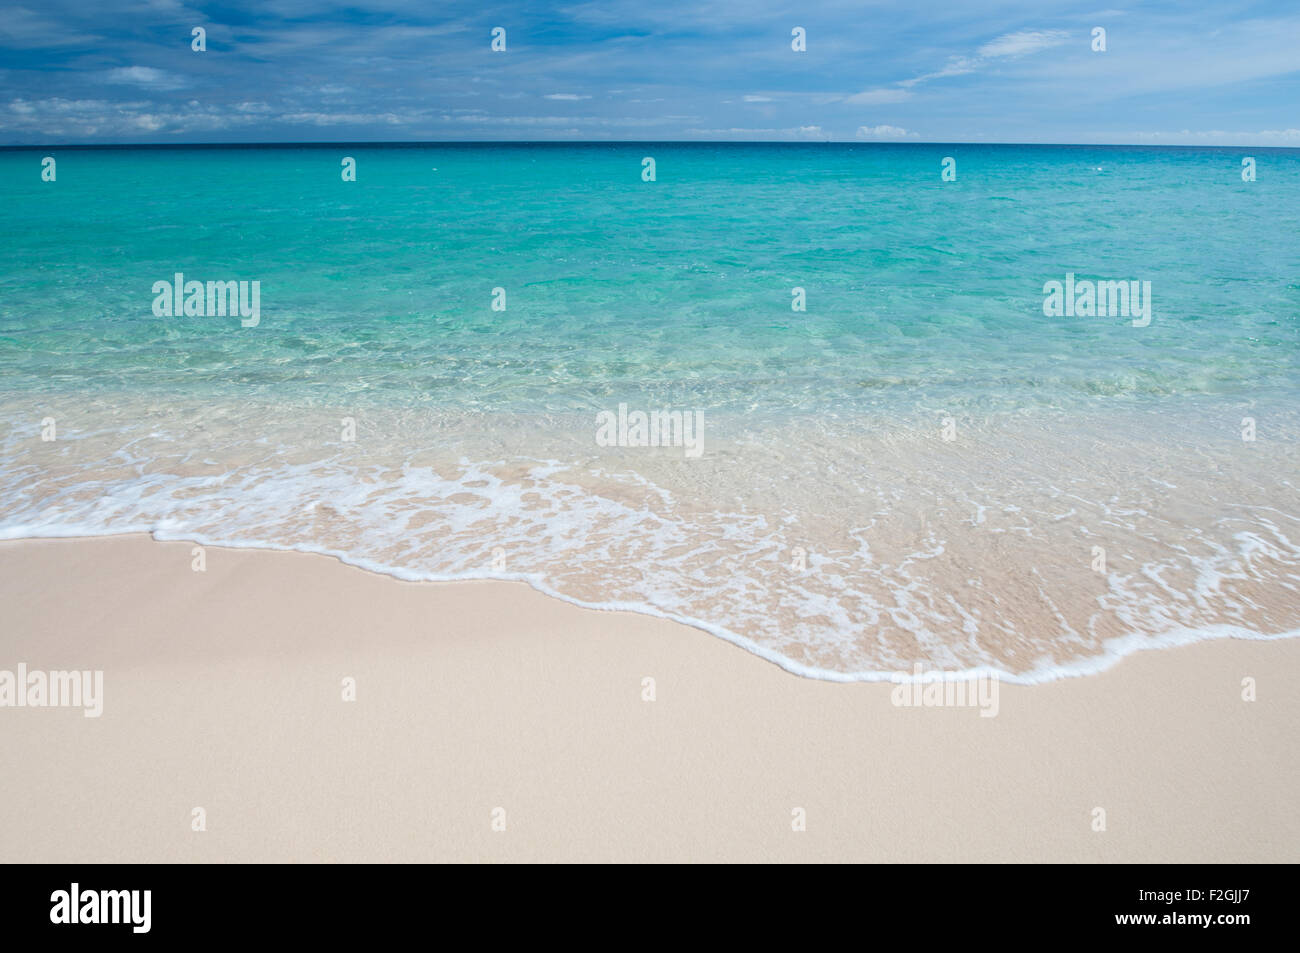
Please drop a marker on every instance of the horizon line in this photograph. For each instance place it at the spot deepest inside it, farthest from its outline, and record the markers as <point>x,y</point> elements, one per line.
<point>10,147</point>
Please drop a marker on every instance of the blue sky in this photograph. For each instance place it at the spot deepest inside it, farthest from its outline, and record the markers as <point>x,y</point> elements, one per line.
<point>1177,72</point>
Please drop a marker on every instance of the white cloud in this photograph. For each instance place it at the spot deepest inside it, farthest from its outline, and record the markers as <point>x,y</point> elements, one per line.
<point>1009,44</point>
<point>341,119</point>
<point>1022,42</point>
<point>739,132</point>
<point>957,66</point>
<point>144,76</point>
<point>757,99</point>
<point>85,117</point>
<point>884,132</point>
<point>567,97</point>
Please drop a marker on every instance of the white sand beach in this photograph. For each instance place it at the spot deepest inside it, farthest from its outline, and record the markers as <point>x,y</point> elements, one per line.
<point>223,690</point>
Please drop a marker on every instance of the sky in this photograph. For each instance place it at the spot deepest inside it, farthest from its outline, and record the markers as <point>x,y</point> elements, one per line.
<point>1173,72</point>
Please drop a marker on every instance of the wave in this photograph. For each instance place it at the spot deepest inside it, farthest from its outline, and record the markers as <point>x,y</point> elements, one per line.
<point>834,558</point>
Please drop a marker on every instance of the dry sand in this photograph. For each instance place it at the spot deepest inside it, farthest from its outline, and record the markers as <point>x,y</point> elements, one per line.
<point>223,690</point>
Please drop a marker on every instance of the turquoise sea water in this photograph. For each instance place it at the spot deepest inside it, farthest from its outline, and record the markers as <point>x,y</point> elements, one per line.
<point>924,304</point>
<point>383,287</point>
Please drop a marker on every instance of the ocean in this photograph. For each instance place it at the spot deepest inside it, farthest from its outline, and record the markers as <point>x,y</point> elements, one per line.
<point>883,444</point>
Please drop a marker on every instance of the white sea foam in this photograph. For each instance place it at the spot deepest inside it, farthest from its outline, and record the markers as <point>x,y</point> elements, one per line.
<point>968,560</point>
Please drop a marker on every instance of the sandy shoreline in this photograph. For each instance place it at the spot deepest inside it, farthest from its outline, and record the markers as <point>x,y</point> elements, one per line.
<point>222,690</point>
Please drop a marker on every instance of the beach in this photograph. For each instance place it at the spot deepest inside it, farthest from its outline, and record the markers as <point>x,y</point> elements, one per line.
<point>486,704</point>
